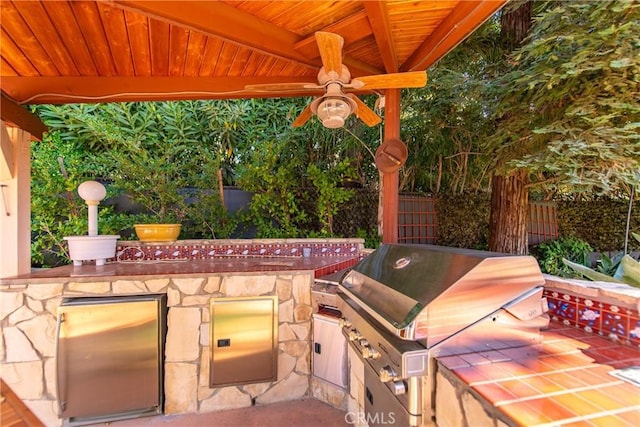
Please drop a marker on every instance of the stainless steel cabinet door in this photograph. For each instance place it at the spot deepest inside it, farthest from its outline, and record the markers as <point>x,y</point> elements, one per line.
<point>244,340</point>
<point>108,358</point>
<point>329,350</point>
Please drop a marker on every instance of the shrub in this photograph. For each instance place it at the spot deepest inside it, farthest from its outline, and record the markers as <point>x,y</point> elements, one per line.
<point>551,252</point>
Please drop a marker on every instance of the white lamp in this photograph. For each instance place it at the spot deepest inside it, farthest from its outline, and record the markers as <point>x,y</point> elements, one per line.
<point>92,192</point>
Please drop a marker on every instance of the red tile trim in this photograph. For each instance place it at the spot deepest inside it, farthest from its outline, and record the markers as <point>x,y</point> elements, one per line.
<point>604,319</point>
<point>175,251</point>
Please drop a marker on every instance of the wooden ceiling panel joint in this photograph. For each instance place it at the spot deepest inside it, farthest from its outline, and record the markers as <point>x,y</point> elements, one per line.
<point>194,53</point>
<point>226,59</point>
<point>178,42</point>
<point>93,34</point>
<point>117,36</point>
<point>37,19</point>
<point>352,28</point>
<point>26,41</point>
<point>211,53</point>
<point>138,34</point>
<point>159,37</point>
<point>14,57</point>
<point>71,36</point>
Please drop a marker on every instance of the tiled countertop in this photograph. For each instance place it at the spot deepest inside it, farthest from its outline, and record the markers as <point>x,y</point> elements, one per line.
<point>563,381</point>
<point>131,269</point>
<point>184,258</point>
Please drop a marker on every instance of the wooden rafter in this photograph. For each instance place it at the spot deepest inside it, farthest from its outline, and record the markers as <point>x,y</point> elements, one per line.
<point>464,19</point>
<point>376,10</point>
<point>18,116</point>
<point>59,90</point>
<point>217,19</point>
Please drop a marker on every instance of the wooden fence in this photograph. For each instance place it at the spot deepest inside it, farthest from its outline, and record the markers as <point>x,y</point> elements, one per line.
<point>418,220</point>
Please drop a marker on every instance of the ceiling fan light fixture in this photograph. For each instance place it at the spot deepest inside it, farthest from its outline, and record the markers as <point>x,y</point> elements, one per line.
<point>333,111</point>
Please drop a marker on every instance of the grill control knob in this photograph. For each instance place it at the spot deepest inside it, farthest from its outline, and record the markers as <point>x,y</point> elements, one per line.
<point>345,323</point>
<point>398,387</point>
<point>354,335</point>
<point>370,353</point>
<point>387,374</point>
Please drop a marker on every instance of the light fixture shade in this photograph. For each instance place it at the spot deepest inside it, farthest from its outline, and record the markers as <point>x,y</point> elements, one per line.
<point>92,191</point>
<point>332,112</point>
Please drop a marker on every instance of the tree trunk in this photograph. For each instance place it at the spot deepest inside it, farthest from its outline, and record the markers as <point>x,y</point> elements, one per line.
<point>509,193</point>
<point>515,24</point>
<point>509,210</point>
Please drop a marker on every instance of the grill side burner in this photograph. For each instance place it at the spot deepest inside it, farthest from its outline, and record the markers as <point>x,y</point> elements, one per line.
<point>405,304</point>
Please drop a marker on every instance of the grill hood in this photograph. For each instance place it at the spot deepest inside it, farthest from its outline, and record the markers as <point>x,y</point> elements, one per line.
<point>425,292</point>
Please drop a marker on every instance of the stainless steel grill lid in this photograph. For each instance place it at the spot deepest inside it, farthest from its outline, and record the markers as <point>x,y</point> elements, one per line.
<point>417,290</point>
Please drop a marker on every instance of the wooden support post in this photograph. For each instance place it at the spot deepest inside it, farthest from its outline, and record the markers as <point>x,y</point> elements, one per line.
<point>15,201</point>
<point>391,181</point>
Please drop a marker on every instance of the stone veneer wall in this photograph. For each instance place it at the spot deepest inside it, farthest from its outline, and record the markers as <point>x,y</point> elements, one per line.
<point>355,400</point>
<point>28,315</point>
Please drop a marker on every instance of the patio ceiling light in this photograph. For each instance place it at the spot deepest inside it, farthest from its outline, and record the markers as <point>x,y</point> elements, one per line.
<point>332,111</point>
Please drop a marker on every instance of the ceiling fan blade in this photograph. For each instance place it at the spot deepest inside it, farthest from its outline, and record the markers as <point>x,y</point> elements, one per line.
<point>391,81</point>
<point>302,117</point>
<point>364,113</point>
<point>281,87</point>
<point>330,46</point>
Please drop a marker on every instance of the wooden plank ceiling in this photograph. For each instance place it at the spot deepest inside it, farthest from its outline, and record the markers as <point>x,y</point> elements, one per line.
<point>102,51</point>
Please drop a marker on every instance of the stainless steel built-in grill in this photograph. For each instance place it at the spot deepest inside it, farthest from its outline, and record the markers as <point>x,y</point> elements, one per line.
<point>405,304</point>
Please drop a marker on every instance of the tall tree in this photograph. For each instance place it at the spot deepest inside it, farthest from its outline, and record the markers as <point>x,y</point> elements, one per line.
<point>574,97</point>
<point>509,192</point>
<point>568,110</point>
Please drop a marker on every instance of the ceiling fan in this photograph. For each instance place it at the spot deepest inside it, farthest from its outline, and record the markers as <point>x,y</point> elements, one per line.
<point>336,104</point>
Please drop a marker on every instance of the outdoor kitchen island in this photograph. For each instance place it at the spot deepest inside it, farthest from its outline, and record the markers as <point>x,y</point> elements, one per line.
<point>564,380</point>
<point>190,273</point>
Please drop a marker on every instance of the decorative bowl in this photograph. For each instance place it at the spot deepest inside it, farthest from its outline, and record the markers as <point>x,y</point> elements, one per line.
<point>89,248</point>
<point>157,232</point>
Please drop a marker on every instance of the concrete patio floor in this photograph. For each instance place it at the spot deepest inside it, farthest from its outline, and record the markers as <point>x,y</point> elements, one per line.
<point>305,412</point>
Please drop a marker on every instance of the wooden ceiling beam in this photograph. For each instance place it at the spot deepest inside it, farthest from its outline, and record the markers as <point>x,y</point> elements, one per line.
<point>19,116</point>
<point>379,19</point>
<point>63,90</point>
<point>217,19</point>
<point>459,24</point>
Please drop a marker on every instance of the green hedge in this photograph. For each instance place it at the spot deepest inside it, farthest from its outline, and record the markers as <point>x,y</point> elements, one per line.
<point>463,221</point>
<point>601,223</point>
